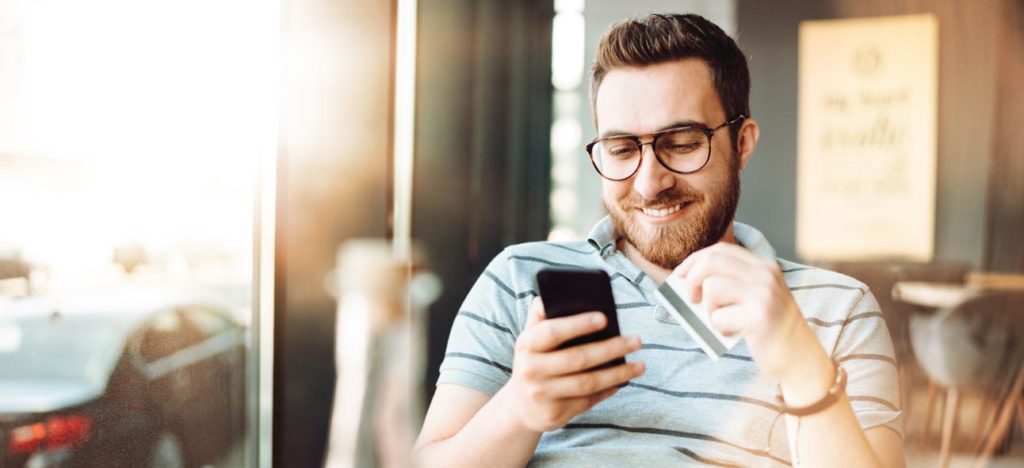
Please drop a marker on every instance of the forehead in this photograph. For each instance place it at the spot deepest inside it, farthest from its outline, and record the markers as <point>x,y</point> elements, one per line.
<point>644,99</point>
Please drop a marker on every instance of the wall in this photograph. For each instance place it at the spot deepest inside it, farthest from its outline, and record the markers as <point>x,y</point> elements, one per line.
<point>979,56</point>
<point>767,33</point>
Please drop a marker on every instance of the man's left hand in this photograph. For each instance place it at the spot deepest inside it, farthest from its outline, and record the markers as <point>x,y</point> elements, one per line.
<point>745,294</point>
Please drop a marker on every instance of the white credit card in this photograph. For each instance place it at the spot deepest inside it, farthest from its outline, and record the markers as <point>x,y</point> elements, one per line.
<point>694,319</point>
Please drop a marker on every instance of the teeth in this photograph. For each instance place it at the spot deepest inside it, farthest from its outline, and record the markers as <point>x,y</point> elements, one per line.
<point>663,211</point>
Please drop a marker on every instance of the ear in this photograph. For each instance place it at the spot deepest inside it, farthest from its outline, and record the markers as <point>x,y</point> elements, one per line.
<point>746,141</point>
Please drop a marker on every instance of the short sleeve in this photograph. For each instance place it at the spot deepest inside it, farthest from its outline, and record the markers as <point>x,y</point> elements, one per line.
<point>865,351</point>
<point>481,343</point>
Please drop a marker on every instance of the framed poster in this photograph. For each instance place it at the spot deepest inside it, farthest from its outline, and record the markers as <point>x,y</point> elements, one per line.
<point>866,172</point>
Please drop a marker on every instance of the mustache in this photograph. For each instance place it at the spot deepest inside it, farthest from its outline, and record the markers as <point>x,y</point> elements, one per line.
<point>668,197</point>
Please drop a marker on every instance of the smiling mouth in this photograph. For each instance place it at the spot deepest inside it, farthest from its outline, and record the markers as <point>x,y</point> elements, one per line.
<point>662,212</point>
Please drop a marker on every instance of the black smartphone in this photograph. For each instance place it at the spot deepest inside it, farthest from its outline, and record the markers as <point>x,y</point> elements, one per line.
<point>570,292</point>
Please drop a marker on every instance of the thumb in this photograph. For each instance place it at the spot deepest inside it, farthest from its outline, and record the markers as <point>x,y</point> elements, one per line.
<point>729,320</point>
<point>536,313</point>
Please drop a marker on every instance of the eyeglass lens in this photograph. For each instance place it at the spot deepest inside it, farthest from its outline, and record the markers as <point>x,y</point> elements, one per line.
<point>684,150</point>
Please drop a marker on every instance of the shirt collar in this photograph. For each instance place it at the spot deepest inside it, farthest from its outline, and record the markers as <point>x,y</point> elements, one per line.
<point>603,238</point>
<point>754,241</point>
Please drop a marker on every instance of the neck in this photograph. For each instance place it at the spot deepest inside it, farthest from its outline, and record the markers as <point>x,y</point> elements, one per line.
<point>656,272</point>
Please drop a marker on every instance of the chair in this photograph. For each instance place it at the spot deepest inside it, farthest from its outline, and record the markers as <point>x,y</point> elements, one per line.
<point>975,344</point>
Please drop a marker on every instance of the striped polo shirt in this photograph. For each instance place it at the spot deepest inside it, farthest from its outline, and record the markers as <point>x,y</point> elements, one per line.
<point>686,408</point>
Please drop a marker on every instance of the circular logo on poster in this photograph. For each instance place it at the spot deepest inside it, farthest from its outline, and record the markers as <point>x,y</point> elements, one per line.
<point>867,60</point>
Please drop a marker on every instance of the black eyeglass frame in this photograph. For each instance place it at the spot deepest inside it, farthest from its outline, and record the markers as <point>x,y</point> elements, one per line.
<point>709,132</point>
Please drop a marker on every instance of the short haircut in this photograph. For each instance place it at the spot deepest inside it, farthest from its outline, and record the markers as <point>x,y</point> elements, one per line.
<point>661,38</point>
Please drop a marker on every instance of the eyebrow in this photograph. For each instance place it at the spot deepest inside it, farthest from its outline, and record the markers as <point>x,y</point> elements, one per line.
<point>675,124</point>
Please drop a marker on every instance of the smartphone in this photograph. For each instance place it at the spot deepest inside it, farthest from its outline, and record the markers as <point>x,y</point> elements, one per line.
<point>569,292</point>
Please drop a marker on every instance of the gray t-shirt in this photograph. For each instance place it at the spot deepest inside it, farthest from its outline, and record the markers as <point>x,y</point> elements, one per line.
<point>686,409</point>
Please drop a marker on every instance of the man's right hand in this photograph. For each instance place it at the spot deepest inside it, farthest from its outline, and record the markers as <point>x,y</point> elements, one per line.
<point>551,386</point>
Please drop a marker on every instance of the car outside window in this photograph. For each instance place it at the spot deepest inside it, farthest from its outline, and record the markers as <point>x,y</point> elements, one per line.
<point>208,322</point>
<point>30,350</point>
<point>162,337</point>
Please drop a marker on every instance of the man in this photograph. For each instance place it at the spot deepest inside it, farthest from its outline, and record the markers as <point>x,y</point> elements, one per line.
<point>670,95</point>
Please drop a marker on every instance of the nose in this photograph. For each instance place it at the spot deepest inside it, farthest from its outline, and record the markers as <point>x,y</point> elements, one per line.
<point>652,178</point>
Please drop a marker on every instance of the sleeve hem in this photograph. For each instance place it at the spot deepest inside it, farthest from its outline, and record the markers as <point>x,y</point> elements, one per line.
<point>470,379</point>
<point>889,419</point>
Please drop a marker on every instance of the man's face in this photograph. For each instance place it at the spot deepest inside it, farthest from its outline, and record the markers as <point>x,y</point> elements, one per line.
<point>667,216</point>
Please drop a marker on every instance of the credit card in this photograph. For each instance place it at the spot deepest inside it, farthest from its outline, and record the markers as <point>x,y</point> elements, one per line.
<point>694,319</point>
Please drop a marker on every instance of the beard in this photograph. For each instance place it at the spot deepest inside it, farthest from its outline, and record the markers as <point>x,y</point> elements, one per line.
<point>667,246</point>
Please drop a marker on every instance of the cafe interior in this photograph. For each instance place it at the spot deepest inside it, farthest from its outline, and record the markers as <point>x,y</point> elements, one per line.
<point>341,172</point>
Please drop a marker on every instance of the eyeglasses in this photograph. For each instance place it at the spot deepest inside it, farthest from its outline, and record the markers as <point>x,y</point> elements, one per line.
<point>683,150</point>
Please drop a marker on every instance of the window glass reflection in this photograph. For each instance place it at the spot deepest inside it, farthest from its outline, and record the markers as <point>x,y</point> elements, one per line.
<point>130,138</point>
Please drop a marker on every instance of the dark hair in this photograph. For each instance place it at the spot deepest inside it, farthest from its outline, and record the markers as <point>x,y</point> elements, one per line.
<point>660,38</point>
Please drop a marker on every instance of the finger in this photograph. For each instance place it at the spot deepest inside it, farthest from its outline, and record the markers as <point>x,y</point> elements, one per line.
<point>595,399</point>
<point>550,333</point>
<point>590,383</point>
<point>718,262</point>
<point>536,312</point>
<point>586,356</point>
<point>719,249</point>
<point>729,320</point>
<point>720,291</point>
<point>684,268</point>
<point>580,404</point>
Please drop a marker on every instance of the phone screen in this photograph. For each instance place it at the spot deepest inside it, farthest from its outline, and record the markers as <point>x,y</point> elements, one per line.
<point>570,292</point>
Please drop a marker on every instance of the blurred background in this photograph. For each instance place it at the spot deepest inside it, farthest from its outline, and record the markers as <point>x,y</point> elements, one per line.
<point>176,179</point>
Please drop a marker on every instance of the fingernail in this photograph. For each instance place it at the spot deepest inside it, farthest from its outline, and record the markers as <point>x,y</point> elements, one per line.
<point>597,319</point>
<point>637,366</point>
<point>634,342</point>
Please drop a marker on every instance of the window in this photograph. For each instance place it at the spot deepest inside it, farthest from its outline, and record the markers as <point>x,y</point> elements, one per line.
<point>208,322</point>
<point>132,135</point>
<point>162,337</point>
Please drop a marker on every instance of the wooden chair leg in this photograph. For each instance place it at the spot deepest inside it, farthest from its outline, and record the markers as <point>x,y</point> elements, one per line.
<point>948,423</point>
<point>988,411</point>
<point>1020,414</point>
<point>906,403</point>
<point>1003,421</point>
<point>929,411</point>
<point>997,434</point>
